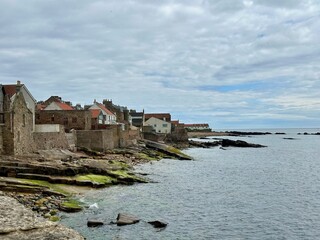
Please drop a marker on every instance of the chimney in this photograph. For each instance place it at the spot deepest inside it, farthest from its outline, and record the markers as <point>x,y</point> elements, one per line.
<point>18,86</point>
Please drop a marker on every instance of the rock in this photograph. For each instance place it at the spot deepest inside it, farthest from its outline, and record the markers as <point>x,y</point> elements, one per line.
<point>158,224</point>
<point>94,223</point>
<point>126,219</point>
<point>18,222</point>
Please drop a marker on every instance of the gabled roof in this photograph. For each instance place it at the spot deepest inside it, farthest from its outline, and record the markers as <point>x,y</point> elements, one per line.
<point>158,115</point>
<point>64,106</point>
<point>11,89</point>
<point>95,113</point>
<point>102,107</point>
<point>197,125</point>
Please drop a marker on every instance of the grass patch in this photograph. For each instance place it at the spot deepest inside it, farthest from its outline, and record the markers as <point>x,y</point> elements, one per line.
<point>96,178</point>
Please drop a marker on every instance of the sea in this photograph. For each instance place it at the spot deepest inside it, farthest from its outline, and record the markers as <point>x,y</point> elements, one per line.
<point>236,193</point>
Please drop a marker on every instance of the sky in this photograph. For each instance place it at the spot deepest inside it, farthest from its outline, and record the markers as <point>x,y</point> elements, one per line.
<point>230,63</point>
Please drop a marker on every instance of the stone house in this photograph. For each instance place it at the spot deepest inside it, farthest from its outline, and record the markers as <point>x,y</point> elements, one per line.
<point>70,119</point>
<point>18,126</point>
<point>12,90</point>
<point>56,111</point>
<point>159,126</point>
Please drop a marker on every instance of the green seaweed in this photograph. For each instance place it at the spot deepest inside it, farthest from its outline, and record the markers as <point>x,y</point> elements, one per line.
<point>72,205</point>
<point>54,187</point>
<point>54,218</point>
<point>119,164</point>
<point>96,178</point>
<point>120,174</point>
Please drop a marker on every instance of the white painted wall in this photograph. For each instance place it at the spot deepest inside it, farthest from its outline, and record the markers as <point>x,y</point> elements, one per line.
<point>47,128</point>
<point>158,125</point>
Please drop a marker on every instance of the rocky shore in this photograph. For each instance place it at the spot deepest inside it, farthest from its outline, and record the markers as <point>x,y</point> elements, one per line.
<point>18,222</point>
<point>49,181</point>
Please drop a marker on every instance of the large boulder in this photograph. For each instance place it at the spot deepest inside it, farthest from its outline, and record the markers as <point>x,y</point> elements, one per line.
<point>126,219</point>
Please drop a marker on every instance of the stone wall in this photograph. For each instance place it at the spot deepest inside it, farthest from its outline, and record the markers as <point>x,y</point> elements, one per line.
<point>1,138</point>
<point>48,138</point>
<point>70,119</point>
<point>102,140</point>
<point>17,133</point>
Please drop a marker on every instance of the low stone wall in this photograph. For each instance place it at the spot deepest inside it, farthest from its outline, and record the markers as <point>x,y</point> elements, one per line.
<point>102,140</point>
<point>48,140</point>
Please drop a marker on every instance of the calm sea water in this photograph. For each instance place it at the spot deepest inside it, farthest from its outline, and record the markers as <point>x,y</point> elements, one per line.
<point>238,193</point>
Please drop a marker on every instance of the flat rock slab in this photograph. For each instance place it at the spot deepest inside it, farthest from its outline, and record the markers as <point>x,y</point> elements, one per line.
<point>18,222</point>
<point>126,219</point>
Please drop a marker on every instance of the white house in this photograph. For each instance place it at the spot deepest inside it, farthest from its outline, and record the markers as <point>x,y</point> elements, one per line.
<point>109,117</point>
<point>159,125</point>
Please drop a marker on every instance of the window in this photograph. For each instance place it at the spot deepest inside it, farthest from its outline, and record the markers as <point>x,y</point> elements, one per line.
<point>165,125</point>
<point>65,121</point>
<point>52,118</point>
<point>155,125</point>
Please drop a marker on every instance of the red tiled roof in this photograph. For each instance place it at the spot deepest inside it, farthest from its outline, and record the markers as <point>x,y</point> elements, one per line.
<point>95,113</point>
<point>197,125</point>
<point>41,106</point>
<point>64,106</point>
<point>10,90</point>
<point>105,109</point>
<point>158,115</point>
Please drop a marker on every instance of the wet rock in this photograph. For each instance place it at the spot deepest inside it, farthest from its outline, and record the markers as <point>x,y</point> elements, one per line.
<point>126,219</point>
<point>94,223</point>
<point>158,224</point>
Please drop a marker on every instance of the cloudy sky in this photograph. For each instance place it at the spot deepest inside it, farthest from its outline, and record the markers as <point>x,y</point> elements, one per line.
<point>231,63</point>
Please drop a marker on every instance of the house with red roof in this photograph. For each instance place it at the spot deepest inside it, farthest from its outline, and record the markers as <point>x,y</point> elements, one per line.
<point>198,127</point>
<point>56,111</point>
<point>58,105</point>
<point>11,90</point>
<point>108,116</point>
<point>97,118</point>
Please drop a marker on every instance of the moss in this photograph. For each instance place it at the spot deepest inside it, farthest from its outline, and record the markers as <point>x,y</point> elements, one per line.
<point>96,178</point>
<point>177,151</point>
<point>120,174</point>
<point>55,187</point>
<point>71,205</point>
<point>119,164</point>
<point>147,157</point>
<point>54,218</point>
